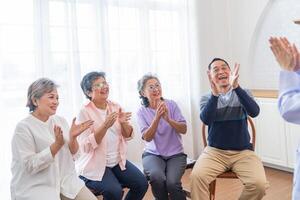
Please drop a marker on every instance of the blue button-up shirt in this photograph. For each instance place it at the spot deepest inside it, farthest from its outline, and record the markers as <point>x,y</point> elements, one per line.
<point>289,107</point>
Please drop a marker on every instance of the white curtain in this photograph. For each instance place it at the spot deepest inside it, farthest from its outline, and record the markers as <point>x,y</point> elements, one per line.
<point>64,39</point>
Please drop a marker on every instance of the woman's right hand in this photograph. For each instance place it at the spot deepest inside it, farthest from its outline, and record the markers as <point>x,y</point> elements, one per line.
<point>110,120</point>
<point>59,139</point>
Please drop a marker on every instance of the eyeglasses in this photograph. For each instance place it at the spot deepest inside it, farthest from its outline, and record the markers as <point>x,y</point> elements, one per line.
<point>153,87</point>
<point>101,85</point>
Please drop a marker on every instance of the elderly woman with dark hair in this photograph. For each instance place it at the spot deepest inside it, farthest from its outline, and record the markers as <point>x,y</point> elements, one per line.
<point>161,124</point>
<point>103,165</point>
<point>43,147</point>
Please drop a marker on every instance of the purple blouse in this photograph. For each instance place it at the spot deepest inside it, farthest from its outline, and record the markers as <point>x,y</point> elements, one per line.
<point>167,141</point>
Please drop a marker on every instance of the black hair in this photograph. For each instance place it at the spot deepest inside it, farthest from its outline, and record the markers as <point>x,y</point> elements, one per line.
<point>88,80</point>
<point>141,85</point>
<point>217,59</point>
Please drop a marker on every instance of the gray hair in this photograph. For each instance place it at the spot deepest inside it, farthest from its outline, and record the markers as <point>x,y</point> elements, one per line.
<point>88,80</point>
<point>141,85</point>
<point>37,89</point>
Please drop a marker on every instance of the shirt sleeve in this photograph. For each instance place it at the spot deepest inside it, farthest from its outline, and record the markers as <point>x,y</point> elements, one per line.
<point>208,109</point>
<point>176,113</point>
<point>248,102</point>
<point>23,150</point>
<point>142,123</point>
<point>289,96</point>
<point>86,140</point>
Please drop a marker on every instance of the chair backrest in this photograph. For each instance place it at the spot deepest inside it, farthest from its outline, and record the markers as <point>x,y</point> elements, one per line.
<point>252,127</point>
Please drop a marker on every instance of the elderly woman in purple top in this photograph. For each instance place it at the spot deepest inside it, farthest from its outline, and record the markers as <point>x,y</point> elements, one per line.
<point>161,124</point>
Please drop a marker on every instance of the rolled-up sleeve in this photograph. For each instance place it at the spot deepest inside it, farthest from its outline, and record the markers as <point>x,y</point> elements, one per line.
<point>142,123</point>
<point>86,140</point>
<point>289,96</point>
<point>176,112</point>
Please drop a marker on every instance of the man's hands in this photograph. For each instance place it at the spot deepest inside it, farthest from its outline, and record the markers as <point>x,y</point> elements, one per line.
<point>234,77</point>
<point>217,88</point>
<point>213,86</point>
<point>286,54</point>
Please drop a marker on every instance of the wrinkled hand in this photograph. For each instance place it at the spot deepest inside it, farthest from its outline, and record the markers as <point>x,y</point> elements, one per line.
<point>76,130</point>
<point>110,119</point>
<point>124,117</point>
<point>160,110</point>
<point>166,113</point>
<point>213,86</point>
<point>234,77</point>
<point>287,55</point>
<point>59,139</point>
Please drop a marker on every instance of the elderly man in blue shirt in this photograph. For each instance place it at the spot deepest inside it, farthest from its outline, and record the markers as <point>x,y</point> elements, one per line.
<point>288,57</point>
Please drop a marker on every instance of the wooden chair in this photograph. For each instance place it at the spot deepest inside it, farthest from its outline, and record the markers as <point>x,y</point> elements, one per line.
<point>227,174</point>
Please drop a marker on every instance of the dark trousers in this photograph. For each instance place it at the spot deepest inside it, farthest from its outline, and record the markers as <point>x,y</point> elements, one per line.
<point>165,175</point>
<point>113,181</point>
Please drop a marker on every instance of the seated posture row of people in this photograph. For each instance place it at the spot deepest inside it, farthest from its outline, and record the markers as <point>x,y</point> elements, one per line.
<point>45,148</point>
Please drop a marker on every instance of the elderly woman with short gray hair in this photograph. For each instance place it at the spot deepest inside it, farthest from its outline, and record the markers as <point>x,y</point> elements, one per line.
<point>161,125</point>
<point>103,164</point>
<point>43,147</point>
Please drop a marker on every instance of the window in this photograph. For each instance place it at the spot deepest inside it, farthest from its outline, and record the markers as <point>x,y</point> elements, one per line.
<point>63,40</point>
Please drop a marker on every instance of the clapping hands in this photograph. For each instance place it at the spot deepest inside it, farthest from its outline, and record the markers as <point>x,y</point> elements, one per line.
<point>76,130</point>
<point>123,117</point>
<point>162,111</point>
<point>286,54</point>
<point>234,77</point>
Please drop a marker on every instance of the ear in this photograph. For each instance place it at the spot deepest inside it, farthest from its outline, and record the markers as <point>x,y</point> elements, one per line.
<point>89,93</point>
<point>34,102</point>
<point>142,93</point>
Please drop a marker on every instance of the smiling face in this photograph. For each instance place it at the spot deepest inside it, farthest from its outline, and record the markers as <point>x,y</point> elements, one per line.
<point>48,103</point>
<point>220,73</point>
<point>100,90</point>
<point>152,90</point>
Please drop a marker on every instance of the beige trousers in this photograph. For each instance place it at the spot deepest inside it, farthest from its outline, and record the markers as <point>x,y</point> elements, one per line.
<point>84,194</point>
<point>245,164</point>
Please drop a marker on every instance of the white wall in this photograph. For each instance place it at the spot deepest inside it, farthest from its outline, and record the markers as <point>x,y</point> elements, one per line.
<point>225,30</point>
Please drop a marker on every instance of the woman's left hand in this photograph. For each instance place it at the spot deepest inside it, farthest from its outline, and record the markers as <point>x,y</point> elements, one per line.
<point>77,129</point>
<point>124,117</point>
<point>166,113</point>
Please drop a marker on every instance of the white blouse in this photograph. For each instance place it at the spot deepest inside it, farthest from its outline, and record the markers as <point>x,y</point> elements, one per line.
<point>36,174</point>
<point>112,143</point>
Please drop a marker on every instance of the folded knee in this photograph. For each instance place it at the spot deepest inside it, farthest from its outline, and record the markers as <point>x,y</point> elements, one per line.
<point>141,185</point>
<point>198,176</point>
<point>257,185</point>
<point>157,177</point>
<point>113,193</point>
<point>173,186</point>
